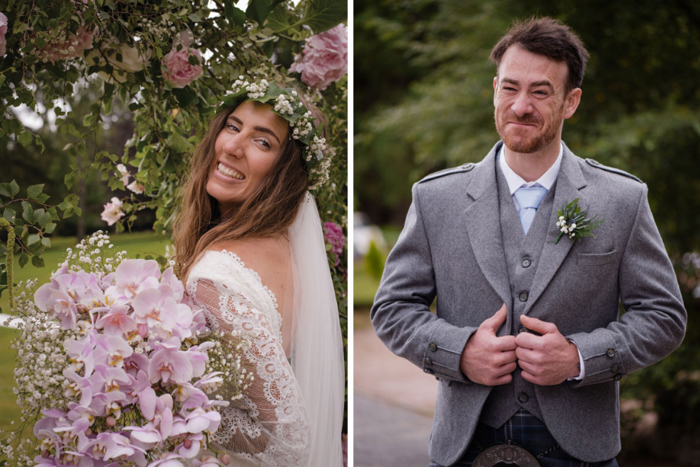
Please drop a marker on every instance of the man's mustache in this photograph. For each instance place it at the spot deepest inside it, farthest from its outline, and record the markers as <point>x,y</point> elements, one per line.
<point>525,120</point>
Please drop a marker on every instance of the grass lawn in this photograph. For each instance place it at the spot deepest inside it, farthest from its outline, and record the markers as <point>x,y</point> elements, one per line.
<point>364,286</point>
<point>141,243</point>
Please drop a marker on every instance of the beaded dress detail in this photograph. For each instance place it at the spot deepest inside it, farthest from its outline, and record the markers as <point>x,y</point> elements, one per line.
<point>268,425</point>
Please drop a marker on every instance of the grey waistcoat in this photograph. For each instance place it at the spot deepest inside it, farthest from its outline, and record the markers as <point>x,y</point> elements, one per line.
<point>522,254</point>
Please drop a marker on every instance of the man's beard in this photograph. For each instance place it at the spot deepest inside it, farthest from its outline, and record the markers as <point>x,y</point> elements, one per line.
<point>525,145</point>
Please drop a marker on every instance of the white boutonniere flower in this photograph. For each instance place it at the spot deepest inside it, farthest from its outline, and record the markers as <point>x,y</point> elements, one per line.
<point>574,223</point>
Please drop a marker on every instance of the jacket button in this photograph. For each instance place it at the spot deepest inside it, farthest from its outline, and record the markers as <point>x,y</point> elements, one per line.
<point>521,329</point>
<point>522,397</point>
<point>432,346</point>
<point>615,368</point>
<point>526,262</point>
<point>427,362</point>
<point>429,371</point>
<point>610,353</point>
<point>617,377</point>
<point>523,296</point>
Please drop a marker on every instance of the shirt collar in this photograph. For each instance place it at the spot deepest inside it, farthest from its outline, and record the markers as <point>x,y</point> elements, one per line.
<point>515,181</point>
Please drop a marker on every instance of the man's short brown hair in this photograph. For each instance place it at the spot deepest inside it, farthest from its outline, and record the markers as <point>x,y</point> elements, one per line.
<point>551,38</point>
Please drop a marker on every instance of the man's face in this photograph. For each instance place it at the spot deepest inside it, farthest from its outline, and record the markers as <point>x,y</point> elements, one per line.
<point>530,100</point>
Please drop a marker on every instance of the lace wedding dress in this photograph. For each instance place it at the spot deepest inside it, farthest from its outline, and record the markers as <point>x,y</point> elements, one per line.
<point>291,414</point>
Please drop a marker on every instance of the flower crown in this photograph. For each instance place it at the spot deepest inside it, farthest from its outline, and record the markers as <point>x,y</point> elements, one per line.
<point>287,104</point>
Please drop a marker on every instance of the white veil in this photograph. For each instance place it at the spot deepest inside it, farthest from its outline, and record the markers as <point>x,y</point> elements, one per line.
<point>317,356</point>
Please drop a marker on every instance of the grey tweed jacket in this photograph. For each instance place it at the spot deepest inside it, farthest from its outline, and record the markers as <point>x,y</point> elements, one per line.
<point>451,248</point>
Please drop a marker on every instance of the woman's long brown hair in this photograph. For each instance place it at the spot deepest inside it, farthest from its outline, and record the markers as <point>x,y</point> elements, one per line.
<point>269,211</point>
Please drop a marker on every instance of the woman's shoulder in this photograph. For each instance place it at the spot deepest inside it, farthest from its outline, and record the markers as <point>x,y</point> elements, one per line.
<point>263,255</point>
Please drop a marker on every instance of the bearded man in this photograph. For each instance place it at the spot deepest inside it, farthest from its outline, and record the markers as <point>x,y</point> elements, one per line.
<point>529,253</point>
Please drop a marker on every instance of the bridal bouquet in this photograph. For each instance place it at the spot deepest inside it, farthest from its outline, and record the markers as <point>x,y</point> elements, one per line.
<point>117,368</point>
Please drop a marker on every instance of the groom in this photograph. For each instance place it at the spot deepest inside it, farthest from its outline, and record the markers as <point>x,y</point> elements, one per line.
<point>528,342</point>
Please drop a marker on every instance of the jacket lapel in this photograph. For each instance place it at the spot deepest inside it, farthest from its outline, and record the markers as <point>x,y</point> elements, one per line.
<point>568,185</point>
<point>483,226</point>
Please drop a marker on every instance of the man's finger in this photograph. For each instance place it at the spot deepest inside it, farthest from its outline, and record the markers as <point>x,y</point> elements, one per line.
<point>528,341</point>
<point>494,322</point>
<point>504,344</point>
<point>539,326</point>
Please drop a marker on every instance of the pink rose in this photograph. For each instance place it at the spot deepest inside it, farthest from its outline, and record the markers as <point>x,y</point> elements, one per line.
<point>62,48</point>
<point>178,70</point>
<point>112,212</point>
<point>324,59</point>
<point>334,237</point>
<point>3,31</point>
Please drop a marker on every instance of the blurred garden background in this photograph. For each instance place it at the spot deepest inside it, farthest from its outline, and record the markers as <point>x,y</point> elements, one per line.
<point>423,102</point>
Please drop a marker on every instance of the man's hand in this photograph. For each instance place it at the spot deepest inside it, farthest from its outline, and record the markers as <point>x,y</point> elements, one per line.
<point>488,359</point>
<point>547,359</point>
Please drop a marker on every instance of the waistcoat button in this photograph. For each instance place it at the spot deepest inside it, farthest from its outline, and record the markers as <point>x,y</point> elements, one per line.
<point>523,296</point>
<point>522,397</point>
<point>526,262</point>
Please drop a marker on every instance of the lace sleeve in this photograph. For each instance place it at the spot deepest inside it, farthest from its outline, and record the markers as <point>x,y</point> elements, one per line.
<point>267,426</point>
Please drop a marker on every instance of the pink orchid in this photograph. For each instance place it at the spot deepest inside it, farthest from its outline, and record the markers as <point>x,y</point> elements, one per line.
<point>81,354</point>
<point>169,278</point>
<point>117,321</point>
<point>170,364</point>
<point>111,350</point>
<point>58,303</point>
<point>191,445</point>
<point>132,276</point>
<point>80,386</point>
<point>135,364</point>
<point>158,309</point>
<point>108,378</point>
<point>159,410</point>
<point>169,460</point>
<point>108,446</point>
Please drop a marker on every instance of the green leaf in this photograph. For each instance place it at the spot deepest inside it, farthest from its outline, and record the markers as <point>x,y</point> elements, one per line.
<point>49,228</point>
<point>43,218</point>
<point>23,259</point>
<point>9,214</point>
<point>64,205</point>
<point>27,211</point>
<point>37,261</point>
<point>234,15</point>
<point>42,198</point>
<point>5,189</point>
<point>278,20</point>
<point>178,142</point>
<point>258,10</point>
<point>46,241</point>
<point>34,190</point>
<point>321,15</point>
<point>14,188</point>
<point>20,28</point>
<point>194,18</point>
<point>25,138</point>
<point>33,238</point>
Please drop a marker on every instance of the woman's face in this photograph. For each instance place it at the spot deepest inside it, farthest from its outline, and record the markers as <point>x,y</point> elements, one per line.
<point>246,150</point>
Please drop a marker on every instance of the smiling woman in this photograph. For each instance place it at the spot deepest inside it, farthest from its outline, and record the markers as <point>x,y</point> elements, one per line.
<point>246,150</point>
<point>250,248</point>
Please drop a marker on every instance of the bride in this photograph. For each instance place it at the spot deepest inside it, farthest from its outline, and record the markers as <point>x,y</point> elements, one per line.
<point>250,249</point>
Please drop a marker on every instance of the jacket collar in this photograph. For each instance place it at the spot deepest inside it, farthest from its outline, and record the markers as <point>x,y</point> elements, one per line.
<point>483,225</point>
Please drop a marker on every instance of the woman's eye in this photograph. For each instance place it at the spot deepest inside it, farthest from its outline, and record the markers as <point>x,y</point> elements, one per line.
<point>232,127</point>
<point>264,143</point>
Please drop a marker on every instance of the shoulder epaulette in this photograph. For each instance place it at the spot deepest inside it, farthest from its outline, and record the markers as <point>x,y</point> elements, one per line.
<point>598,165</point>
<point>469,166</point>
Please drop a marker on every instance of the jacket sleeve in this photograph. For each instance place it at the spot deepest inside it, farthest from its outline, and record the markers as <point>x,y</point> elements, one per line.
<point>266,424</point>
<point>654,321</point>
<point>401,312</point>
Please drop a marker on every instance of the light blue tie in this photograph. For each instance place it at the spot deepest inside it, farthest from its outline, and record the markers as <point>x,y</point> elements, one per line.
<point>529,200</point>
